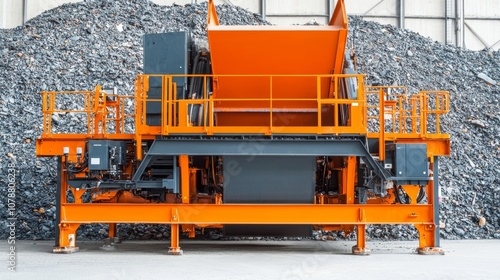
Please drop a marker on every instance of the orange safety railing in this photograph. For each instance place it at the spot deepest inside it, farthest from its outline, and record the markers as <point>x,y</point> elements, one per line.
<point>91,113</point>
<point>393,112</point>
<point>386,113</point>
<point>176,113</point>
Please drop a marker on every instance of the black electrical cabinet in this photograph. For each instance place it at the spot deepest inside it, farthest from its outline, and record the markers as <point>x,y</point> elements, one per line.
<point>408,162</point>
<point>102,154</point>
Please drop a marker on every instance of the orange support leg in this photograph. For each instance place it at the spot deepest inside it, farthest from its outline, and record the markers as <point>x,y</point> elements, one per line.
<point>349,178</point>
<point>190,229</point>
<point>175,248</point>
<point>112,238</point>
<point>429,233</point>
<point>427,240</point>
<point>67,238</point>
<point>185,178</point>
<point>112,230</point>
<point>360,247</point>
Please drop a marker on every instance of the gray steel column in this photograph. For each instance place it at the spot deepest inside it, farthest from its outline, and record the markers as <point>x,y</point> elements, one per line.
<point>263,9</point>
<point>401,13</point>
<point>459,23</point>
<point>329,9</point>
<point>447,14</point>
<point>25,11</point>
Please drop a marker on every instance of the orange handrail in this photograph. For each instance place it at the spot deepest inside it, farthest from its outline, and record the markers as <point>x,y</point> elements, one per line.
<point>379,112</point>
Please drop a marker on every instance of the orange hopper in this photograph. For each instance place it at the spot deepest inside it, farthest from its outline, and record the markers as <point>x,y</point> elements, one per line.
<point>262,68</point>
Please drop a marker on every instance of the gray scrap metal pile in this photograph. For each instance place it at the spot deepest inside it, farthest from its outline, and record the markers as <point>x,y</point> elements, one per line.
<point>77,46</point>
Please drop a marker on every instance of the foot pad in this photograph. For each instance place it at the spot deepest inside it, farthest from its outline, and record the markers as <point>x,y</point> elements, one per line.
<point>361,251</point>
<point>430,251</point>
<point>174,251</point>
<point>66,250</point>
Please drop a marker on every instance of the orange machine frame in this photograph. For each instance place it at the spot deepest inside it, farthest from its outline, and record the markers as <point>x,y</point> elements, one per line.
<point>326,213</point>
<point>384,114</point>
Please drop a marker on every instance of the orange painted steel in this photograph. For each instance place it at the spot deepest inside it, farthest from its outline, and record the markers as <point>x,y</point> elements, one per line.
<point>315,214</point>
<point>342,216</point>
<point>273,50</point>
<point>51,144</point>
<point>112,230</point>
<point>118,196</point>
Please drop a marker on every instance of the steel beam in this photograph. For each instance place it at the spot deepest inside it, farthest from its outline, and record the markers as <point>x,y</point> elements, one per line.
<point>265,147</point>
<point>373,7</point>
<point>257,147</point>
<point>144,164</point>
<point>485,44</point>
<point>309,214</point>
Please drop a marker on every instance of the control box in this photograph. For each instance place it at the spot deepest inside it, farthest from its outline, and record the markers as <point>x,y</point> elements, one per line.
<point>407,161</point>
<point>102,154</point>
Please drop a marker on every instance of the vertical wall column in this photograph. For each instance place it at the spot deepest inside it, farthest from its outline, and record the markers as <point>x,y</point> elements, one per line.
<point>448,22</point>
<point>263,9</point>
<point>401,14</point>
<point>25,11</point>
<point>459,23</point>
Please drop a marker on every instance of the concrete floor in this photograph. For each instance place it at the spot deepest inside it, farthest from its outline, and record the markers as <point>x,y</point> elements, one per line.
<point>477,259</point>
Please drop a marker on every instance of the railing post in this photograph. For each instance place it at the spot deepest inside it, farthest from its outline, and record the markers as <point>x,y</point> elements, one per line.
<point>211,115</point>
<point>336,104</point>
<point>270,105</point>
<point>138,116</point>
<point>51,110</point>
<point>205,102</point>
<point>44,111</point>
<point>118,115</point>
<point>164,104</point>
<point>362,98</point>
<point>423,114</point>
<point>172,99</point>
<point>318,100</point>
<point>400,118</point>
<point>414,117</point>
<point>381,139</point>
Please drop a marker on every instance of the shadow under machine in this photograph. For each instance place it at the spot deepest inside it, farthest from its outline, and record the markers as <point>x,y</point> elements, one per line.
<point>268,131</point>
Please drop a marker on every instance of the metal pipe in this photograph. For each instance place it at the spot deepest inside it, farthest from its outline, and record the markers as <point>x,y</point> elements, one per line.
<point>25,11</point>
<point>263,9</point>
<point>462,23</point>
<point>446,25</point>
<point>459,18</point>
<point>4,14</point>
<point>401,13</point>
<point>329,8</point>
<point>494,44</point>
